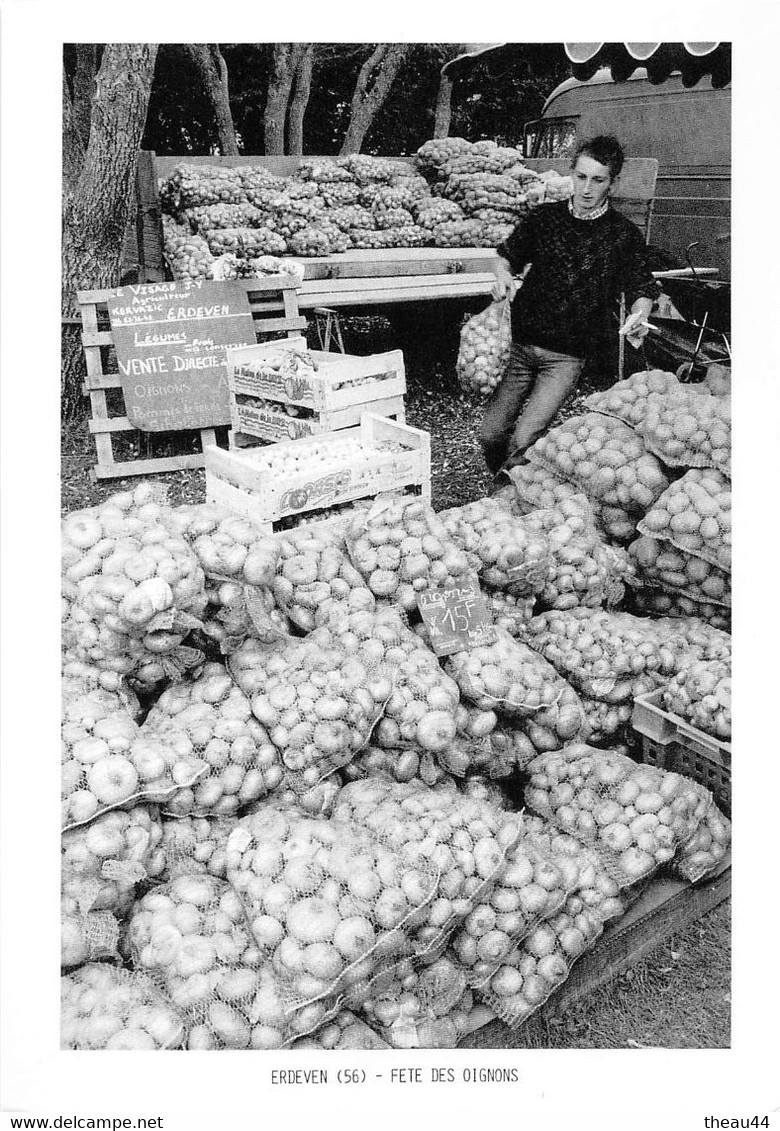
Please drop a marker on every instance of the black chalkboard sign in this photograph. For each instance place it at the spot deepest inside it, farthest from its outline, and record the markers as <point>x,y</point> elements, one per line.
<point>457,618</point>
<point>170,340</point>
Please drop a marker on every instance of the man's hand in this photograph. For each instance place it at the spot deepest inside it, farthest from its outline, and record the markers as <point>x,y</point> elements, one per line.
<point>505,285</point>
<point>635,328</point>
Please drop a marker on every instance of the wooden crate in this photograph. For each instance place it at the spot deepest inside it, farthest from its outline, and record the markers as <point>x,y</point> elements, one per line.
<point>673,744</point>
<point>248,480</point>
<point>328,395</point>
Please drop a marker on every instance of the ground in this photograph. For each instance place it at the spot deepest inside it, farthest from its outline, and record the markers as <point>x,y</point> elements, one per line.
<point>677,997</point>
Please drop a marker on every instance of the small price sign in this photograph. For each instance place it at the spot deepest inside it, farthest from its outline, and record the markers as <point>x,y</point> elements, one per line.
<point>457,618</point>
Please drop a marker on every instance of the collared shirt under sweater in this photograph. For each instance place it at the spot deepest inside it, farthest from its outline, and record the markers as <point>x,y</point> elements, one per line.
<point>568,299</point>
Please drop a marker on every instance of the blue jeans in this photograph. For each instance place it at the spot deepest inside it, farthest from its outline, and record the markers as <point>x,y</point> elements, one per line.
<point>535,385</point>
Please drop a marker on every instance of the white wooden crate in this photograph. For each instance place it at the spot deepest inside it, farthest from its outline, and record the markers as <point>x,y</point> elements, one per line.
<point>330,396</point>
<point>317,472</point>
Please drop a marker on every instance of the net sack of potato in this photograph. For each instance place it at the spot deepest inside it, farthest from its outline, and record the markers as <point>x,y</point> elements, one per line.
<point>686,429</point>
<point>652,602</point>
<point>717,379</point>
<point>235,612</point>
<point>404,765</point>
<point>694,514</point>
<point>429,212</point>
<point>485,745</point>
<point>607,720</point>
<point>401,547</point>
<point>192,186</point>
<point>86,936</point>
<point>105,1007</point>
<point>125,571</point>
<point>350,216</point>
<point>465,839</point>
<point>317,702</point>
<point>530,887</point>
<point>343,195</point>
<point>209,718</point>
<point>459,233</point>
<point>583,571</point>
<point>186,254</point>
<point>246,243</point>
<point>601,653</point>
<point>345,1031</point>
<point>636,816</point>
<point>696,640</point>
<point>537,487</point>
<point>228,546</point>
<point>101,863</point>
<point>606,458</point>
<point>196,845</point>
<point>509,677</point>
<point>105,762</point>
<point>508,554</point>
<point>425,1007</point>
<point>701,694</point>
<point>323,170</point>
<point>313,569</point>
<point>700,856</point>
<point>508,612</point>
<point>540,964</point>
<point>214,216</point>
<point>628,399</point>
<point>485,345</point>
<point>327,903</point>
<point>660,564</point>
<point>419,711</point>
<point>366,168</point>
<point>433,155</point>
<point>192,938</point>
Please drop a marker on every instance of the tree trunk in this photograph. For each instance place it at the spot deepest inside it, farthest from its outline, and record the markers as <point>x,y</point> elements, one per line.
<point>300,98</point>
<point>84,87</point>
<point>373,85</point>
<point>95,212</point>
<point>280,80</point>
<point>73,146</point>
<point>212,69</point>
<point>441,125</point>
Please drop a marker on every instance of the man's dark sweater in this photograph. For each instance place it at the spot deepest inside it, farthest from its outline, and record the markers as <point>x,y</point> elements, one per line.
<point>567,302</point>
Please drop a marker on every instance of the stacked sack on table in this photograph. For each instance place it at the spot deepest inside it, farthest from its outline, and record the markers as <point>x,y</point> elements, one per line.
<point>285,818</point>
<point>235,222</point>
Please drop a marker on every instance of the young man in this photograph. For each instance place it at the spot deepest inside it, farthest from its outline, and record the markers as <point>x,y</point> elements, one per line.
<point>580,254</point>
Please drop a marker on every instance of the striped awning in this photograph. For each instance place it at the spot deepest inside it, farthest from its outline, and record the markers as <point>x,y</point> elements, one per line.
<point>692,60</point>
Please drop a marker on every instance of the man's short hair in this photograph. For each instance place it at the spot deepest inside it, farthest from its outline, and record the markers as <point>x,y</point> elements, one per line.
<point>605,149</point>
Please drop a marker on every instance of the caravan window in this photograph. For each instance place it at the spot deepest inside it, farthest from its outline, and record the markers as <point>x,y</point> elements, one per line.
<point>550,137</point>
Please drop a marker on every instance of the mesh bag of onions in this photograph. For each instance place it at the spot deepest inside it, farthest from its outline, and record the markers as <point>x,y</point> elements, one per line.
<point>106,1007</point>
<point>485,345</point>
<point>636,816</point>
<point>466,839</point>
<point>328,902</point>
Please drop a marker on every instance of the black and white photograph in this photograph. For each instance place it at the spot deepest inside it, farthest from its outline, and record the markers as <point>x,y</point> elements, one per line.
<point>387,506</point>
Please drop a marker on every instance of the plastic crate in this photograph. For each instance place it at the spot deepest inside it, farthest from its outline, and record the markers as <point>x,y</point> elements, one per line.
<point>333,397</point>
<point>270,483</point>
<point>673,744</point>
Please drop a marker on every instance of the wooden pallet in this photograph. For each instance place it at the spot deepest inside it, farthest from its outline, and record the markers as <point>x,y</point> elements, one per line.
<point>274,307</point>
<point>330,397</point>
<point>248,481</point>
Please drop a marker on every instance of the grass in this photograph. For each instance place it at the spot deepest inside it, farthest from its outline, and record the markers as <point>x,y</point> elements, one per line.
<point>676,997</point>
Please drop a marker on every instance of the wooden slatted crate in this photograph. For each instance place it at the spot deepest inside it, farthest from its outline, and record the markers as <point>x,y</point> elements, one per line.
<point>334,397</point>
<point>317,472</point>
